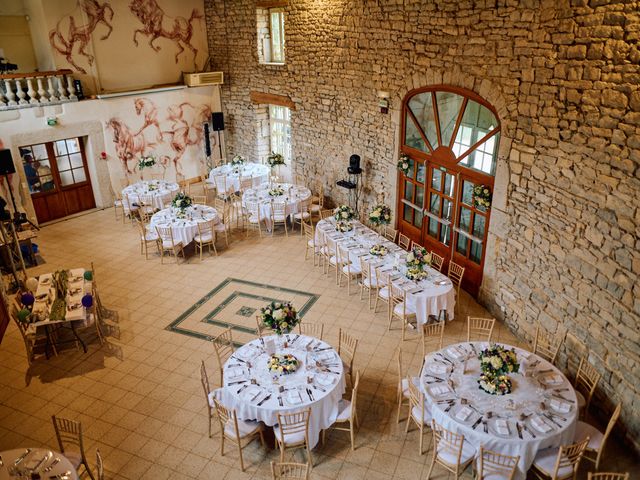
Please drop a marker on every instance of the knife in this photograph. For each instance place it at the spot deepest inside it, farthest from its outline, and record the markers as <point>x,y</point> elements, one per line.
<point>519,430</point>
<point>22,457</point>
<point>264,400</point>
<point>477,423</point>
<point>44,459</point>
<point>236,383</point>
<point>242,388</point>
<point>552,420</point>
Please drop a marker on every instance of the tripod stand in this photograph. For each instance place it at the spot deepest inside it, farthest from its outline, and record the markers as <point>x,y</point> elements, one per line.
<point>18,217</point>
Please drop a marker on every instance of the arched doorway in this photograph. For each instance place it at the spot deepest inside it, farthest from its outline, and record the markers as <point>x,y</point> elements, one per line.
<point>450,136</point>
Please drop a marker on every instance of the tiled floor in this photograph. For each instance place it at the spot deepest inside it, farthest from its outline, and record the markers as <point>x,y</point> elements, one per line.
<point>139,396</point>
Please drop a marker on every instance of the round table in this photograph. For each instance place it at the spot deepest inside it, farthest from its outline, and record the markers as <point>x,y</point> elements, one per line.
<point>257,172</point>
<point>185,228</point>
<point>58,463</point>
<point>162,192</point>
<point>540,412</point>
<point>428,297</point>
<point>292,194</point>
<point>273,394</point>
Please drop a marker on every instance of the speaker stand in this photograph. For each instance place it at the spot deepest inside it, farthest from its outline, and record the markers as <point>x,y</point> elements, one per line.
<point>18,218</point>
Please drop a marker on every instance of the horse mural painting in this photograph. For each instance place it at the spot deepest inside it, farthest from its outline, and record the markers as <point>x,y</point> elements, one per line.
<point>156,24</point>
<point>65,42</point>
<point>129,145</point>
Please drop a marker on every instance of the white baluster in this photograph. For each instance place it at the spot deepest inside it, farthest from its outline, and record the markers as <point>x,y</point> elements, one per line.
<point>62,90</point>
<point>52,91</point>
<point>70,88</point>
<point>42,93</point>
<point>31,92</point>
<point>10,95</point>
<point>21,94</point>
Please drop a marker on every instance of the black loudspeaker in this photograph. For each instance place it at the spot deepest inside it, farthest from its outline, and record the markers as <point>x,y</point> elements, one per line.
<point>6,162</point>
<point>354,165</point>
<point>207,142</point>
<point>217,121</point>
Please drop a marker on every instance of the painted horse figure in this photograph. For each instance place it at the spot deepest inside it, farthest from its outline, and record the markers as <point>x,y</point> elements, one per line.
<point>96,13</point>
<point>129,146</point>
<point>156,24</point>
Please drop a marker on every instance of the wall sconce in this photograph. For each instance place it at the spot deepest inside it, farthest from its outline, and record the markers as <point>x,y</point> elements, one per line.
<point>383,101</point>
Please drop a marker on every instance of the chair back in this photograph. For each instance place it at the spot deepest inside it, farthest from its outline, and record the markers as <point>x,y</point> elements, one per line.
<point>290,471</point>
<point>480,329</point>
<point>446,441</point>
<point>321,197</point>
<point>496,465</point>
<point>204,380</point>
<point>220,181</point>
<point>311,329</point>
<point>390,233</point>
<point>226,417</point>
<point>142,229</point>
<point>546,345</point>
<point>354,396</point>
<point>404,241</point>
<point>220,205</point>
<point>332,246</point>
<point>99,465</point>
<point>224,347</point>
<point>294,423</point>
<point>261,327</point>
<point>347,346</point>
<point>432,333</point>
<point>205,228</point>
<point>253,208</point>
<point>607,476</point>
<point>612,422</point>
<point>165,234</point>
<point>416,397</point>
<point>309,233</point>
<point>68,433</point>
<point>128,203</point>
<point>587,379</point>
<point>145,200</point>
<point>304,205</point>
<point>456,272</point>
<point>365,270</point>
<point>201,199</point>
<point>569,456</point>
<point>327,213</point>
<point>415,245</point>
<point>343,257</point>
<point>278,211</point>
<point>245,183</point>
<point>437,261</point>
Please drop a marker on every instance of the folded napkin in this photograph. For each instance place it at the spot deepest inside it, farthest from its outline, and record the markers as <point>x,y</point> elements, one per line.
<point>326,355</point>
<point>502,427</point>
<point>552,379</point>
<point>455,352</point>
<point>540,425</point>
<point>560,406</point>
<point>251,393</point>
<point>247,352</point>
<point>234,372</point>
<point>293,397</point>
<point>438,368</point>
<point>439,389</point>
<point>324,379</point>
<point>464,413</point>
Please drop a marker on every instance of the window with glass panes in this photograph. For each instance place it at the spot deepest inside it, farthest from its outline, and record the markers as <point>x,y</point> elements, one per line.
<point>69,162</point>
<point>413,194</point>
<point>276,33</point>
<point>472,221</point>
<point>280,130</point>
<point>441,200</point>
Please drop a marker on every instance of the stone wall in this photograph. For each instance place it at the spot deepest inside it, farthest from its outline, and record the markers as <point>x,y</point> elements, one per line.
<point>564,78</point>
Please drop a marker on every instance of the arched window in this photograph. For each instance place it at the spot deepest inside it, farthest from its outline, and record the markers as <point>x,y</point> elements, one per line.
<point>451,137</point>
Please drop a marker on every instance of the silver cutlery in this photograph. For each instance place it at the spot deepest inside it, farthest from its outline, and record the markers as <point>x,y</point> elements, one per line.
<point>264,400</point>
<point>53,464</point>
<point>22,457</point>
<point>44,459</point>
<point>62,476</point>
<point>552,420</point>
<point>242,388</point>
<point>280,400</point>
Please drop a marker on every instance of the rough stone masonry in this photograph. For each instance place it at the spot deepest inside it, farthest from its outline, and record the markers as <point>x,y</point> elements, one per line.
<point>563,76</point>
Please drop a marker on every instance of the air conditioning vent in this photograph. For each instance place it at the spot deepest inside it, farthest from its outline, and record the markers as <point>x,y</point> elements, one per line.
<point>204,78</point>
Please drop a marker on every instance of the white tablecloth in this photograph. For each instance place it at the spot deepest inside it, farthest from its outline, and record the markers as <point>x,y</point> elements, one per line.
<point>428,296</point>
<point>522,409</point>
<point>184,229</point>
<point>161,191</point>
<point>291,196</point>
<point>258,173</point>
<point>30,461</point>
<point>322,395</point>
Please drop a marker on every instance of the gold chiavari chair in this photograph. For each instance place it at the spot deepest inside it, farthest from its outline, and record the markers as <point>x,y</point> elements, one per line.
<point>279,216</point>
<point>347,268</point>
<point>402,394</point>
<point>253,220</point>
<point>368,280</point>
<point>130,208</point>
<point>331,256</point>
<point>166,243</point>
<point>317,204</point>
<point>245,183</point>
<point>69,434</point>
<point>415,245</point>
<point>480,329</point>
<point>384,290</point>
<point>223,226</point>
<point>292,431</point>
<point>559,463</point>
<point>206,237</point>
<point>208,187</point>
<point>597,440</point>
<point>303,215</point>
<point>401,310</point>
<point>260,327</point>
<point>32,341</point>
<point>310,243</point>
<point>347,346</point>
<point>403,241</point>
<point>220,182</point>
<point>437,261</point>
<point>347,413</point>
<point>147,237</point>
<point>290,471</point>
<point>311,329</point>
<point>585,385</point>
<point>200,199</point>
<point>607,476</point>
<point>237,431</point>
<point>432,336</point>
<point>418,412</point>
<point>209,395</point>
<point>324,214</point>
<point>450,451</point>
<point>99,464</point>
<point>456,272</point>
<point>496,466</point>
<point>224,348</point>
<point>546,345</point>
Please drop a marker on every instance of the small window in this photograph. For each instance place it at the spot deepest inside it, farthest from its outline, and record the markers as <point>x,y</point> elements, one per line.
<point>270,35</point>
<point>280,131</point>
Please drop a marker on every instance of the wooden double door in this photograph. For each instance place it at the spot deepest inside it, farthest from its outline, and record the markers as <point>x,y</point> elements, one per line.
<point>58,178</point>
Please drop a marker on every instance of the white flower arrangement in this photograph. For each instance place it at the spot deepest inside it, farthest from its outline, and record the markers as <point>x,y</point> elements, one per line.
<point>481,196</point>
<point>237,160</point>
<point>344,226</point>
<point>275,159</point>
<point>182,201</point>
<point>344,212</point>
<point>279,317</point>
<point>284,364</point>
<point>418,257</point>
<point>276,191</point>
<point>146,161</point>
<point>416,274</point>
<point>378,250</point>
<point>404,163</point>
<point>380,215</point>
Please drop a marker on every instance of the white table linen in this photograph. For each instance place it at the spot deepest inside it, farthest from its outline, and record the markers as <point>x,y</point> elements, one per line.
<point>542,403</point>
<point>31,461</point>
<point>258,173</point>
<point>428,297</point>
<point>184,229</point>
<point>321,395</point>
<point>291,196</point>
<point>161,191</point>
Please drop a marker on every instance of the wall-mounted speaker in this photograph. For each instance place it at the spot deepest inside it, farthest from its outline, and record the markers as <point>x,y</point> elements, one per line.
<point>6,162</point>
<point>217,121</point>
<point>354,165</point>
<point>207,142</point>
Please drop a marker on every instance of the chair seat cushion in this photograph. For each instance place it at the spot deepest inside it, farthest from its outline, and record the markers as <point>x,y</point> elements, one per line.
<point>291,438</point>
<point>220,227</point>
<point>416,413</point>
<point>315,208</point>
<point>384,293</point>
<point>450,457</point>
<point>351,269</point>
<point>546,461</point>
<point>332,260</point>
<point>595,436</point>
<point>305,215</point>
<point>254,219</point>
<point>344,411</point>
<point>245,428</point>
<point>399,309</point>
<point>581,400</point>
<point>370,282</point>
<point>151,236</point>
<point>405,385</point>
<point>166,244</point>
<point>204,238</point>
<point>118,203</point>
<point>279,218</point>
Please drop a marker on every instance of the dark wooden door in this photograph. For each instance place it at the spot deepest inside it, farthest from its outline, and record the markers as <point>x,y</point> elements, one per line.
<point>58,178</point>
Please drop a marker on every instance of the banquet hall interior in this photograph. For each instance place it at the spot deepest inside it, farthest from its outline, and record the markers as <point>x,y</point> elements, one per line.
<point>319,239</point>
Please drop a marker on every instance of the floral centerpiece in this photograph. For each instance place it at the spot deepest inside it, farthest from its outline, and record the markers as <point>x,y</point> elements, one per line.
<point>283,364</point>
<point>344,226</point>
<point>418,257</point>
<point>481,196</point>
<point>280,317</point>
<point>416,274</point>
<point>378,250</point>
<point>275,159</point>
<point>146,161</point>
<point>496,362</point>
<point>182,201</point>
<point>380,215</point>
<point>344,212</point>
<point>237,160</point>
<point>152,187</point>
<point>404,163</point>
<point>276,191</point>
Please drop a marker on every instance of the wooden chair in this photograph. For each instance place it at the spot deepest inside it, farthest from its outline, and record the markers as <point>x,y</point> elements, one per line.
<point>347,346</point>
<point>496,466</point>
<point>157,176</point>
<point>607,476</point>
<point>208,187</point>
<point>206,237</point>
<point>401,310</point>
<point>456,272</point>
<point>237,431</point>
<point>245,183</point>
<point>384,291</point>
<point>317,204</point>
<point>390,233</point>
<point>559,463</point>
<point>290,471</point>
<point>450,451</point>
<point>223,226</point>
<point>199,199</point>
<point>310,239</point>
<point>432,336</point>
<point>347,413</point>
<point>346,268</point>
<point>99,465</point>
<point>147,237</point>
<point>253,217</point>
<point>330,254</point>
<point>437,261</point>
<point>279,216</point>
<point>326,213</point>
<point>585,384</point>
<point>415,245</point>
<point>31,340</point>
<point>480,329</point>
<point>303,214</point>
<point>418,412</point>
<point>260,327</point>
<point>597,440</point>
<point>546,345</point>
<point>311,329</point>
<point>368,281</point>
<point>220,182</point>
<point>209,395</point>
<point>69,434</point>
<point>224,347</point>
<point>129,207</point>
<point>402,393</point>
<point>146,209</point>
<point>292,431</point>
<point>404,241</point>
<point>166,243</point>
